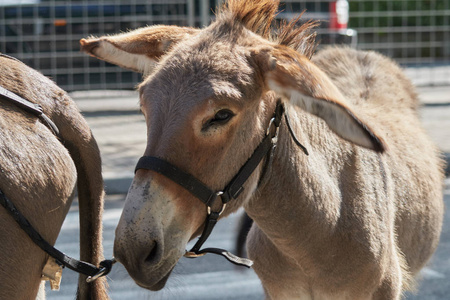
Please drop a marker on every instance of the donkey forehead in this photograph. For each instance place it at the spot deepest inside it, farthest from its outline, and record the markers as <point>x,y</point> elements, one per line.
<point>190,91</point>
<point>201,68</point>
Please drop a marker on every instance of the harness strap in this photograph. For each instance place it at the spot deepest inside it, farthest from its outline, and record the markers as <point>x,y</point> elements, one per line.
<point>195,186</point>
<point>62,259</point>
<point>235,187</point>
<point>30,107</point>
<point>9,57</point>
<point>211,221</point>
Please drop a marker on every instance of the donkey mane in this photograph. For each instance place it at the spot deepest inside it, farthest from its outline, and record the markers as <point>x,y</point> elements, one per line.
<point>259,16</point>
<point>302,38</point>
<point>256,15</point>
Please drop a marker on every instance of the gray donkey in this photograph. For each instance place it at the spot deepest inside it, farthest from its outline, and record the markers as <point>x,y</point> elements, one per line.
<point>356,218</point>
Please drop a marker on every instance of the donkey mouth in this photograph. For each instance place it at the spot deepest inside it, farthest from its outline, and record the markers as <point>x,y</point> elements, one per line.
<point>149,273</point>
<point>151,284</point>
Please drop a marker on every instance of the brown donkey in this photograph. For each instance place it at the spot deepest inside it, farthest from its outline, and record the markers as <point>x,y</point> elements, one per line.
<point>39,174</point>
<point>354,219</point>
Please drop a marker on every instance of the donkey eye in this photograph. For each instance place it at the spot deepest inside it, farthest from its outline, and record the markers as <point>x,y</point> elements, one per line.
<point>220,118</point>
<point>223,115</point>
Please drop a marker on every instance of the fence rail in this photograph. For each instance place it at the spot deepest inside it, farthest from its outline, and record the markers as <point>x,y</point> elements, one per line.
<point>45,34</point>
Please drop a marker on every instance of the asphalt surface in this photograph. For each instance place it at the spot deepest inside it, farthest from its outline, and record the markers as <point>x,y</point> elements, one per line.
<point>121,133</point>
<point>212,277</point>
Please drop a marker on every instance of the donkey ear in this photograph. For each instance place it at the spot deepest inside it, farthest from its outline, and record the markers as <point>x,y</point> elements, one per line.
<point>295,77</point>
<point>137,50</point>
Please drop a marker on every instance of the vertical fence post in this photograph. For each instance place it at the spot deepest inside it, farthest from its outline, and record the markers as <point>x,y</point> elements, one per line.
<point>204,12</point>
<point>447,33</point>
<point>191,13</point>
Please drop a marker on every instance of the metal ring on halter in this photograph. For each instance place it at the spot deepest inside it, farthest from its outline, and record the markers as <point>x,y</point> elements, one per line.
<point>277,129</point>
<point>96,276</point>
<point>208,208</point>
<point>103,271</point>
<point>270,125</point>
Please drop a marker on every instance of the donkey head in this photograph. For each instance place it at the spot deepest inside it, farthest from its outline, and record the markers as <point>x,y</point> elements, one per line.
<point>208,97</point>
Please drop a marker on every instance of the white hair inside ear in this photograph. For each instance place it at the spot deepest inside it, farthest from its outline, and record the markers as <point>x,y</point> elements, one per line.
<point>138,50</point>
<point>338,116</point>
<point>108,52</point>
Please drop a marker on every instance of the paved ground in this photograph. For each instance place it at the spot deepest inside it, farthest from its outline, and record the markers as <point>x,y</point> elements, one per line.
<point>120,131</point>
<point>212,277</point>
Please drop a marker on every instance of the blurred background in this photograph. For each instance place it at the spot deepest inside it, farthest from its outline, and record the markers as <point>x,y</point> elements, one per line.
<point>45,35</point>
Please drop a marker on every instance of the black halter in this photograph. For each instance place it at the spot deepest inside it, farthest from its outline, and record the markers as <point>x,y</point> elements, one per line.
<point>231,191</point>
<point>62,259</point>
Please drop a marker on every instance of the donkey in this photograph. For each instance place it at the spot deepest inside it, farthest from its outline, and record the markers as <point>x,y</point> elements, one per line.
<point>356,218</point>
<point>39,174</point>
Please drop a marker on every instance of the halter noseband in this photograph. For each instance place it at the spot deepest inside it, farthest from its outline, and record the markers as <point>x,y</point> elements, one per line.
<point>232,190</point>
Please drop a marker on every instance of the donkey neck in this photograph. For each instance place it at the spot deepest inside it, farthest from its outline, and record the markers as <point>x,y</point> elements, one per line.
<point>302,192</point>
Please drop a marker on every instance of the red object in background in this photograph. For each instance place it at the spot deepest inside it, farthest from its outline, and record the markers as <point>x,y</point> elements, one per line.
<point>339,14</point>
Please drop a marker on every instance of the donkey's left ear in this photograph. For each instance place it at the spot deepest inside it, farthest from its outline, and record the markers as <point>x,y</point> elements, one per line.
<point>295,77</point>
<point>139,49</point>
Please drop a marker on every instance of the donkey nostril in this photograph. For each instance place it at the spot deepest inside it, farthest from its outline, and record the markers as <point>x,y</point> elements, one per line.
<point>152,257</point>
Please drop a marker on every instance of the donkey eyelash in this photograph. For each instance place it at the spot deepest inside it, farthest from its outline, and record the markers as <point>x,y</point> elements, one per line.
<point>221,117</point>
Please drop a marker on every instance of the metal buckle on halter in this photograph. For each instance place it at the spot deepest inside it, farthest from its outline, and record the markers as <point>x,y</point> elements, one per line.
<point>102,272</point>
<point>215,216</point>
<point>277,129</point>
<point>208,208</point>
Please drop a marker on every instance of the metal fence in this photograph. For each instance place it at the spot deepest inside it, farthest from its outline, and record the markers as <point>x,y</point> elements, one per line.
<point>412,32</point>
<point>416,33</point>
<point>45,34</point>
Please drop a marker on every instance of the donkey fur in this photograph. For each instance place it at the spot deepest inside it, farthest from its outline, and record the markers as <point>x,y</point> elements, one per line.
<point>39,174</point>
